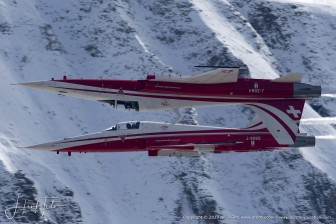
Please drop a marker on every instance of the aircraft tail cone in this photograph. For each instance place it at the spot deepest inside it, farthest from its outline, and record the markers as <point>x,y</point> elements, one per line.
<point>306,90</point>
<point>304,141</point>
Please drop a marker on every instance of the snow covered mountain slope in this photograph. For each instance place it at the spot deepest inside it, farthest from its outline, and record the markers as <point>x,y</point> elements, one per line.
<point>130,39</point>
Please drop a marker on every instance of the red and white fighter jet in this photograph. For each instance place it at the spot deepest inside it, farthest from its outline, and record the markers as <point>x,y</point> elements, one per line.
<point>275,126</point>
<point>217,87</point>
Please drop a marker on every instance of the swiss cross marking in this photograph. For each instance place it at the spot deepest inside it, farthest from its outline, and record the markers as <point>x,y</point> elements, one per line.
<point>292,110</point>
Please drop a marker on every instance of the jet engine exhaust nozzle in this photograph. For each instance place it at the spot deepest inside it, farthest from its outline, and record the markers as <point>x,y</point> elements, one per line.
<point>302,90</point>
<point>304,141</point>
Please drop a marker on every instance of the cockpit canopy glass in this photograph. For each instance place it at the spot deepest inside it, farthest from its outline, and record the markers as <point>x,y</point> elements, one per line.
<point>125,126</point>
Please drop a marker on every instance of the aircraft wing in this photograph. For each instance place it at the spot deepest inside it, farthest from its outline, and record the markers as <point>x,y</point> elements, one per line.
<point>220,75</point>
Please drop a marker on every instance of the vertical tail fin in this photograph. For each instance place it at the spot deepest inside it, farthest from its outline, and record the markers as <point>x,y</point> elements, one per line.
<point>281,118</point>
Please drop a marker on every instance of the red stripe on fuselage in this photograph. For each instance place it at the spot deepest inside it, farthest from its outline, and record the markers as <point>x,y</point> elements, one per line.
<point>243,87</point>
<point>128,145</point>
<point>230,99</point>
<point>254,125</point>
<point>239,131</point>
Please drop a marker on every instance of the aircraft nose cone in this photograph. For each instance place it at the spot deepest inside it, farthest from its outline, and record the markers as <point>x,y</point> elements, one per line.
<point>44,147</point>
<point>35,85</point>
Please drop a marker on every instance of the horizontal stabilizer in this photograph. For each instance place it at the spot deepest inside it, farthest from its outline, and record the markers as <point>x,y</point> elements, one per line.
<point>290,77</point>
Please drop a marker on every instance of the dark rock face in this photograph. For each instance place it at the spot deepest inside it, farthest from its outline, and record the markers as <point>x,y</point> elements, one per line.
<point>93,50</point>
<point>5,28</point>
<point>48,34</point>
<point>21,202</point>
<point>313,198</point>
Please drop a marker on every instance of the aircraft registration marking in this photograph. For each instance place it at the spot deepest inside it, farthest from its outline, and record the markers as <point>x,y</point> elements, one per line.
<point>253,138</point>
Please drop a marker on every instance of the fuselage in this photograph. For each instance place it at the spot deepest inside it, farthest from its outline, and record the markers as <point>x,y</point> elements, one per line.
<point>278,103</point>
<point>152,94</point>
<point>156,136</point>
